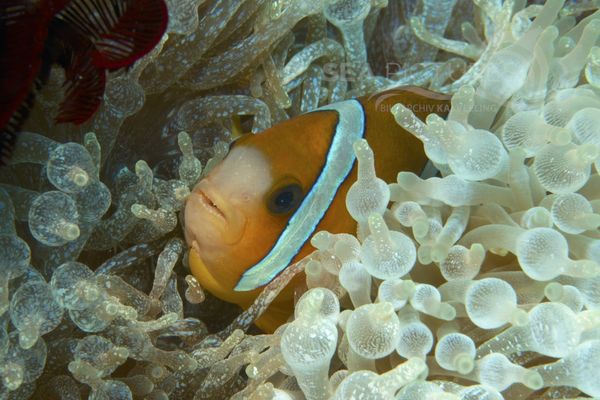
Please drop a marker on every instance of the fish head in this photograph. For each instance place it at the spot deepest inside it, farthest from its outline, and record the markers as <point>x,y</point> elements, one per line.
<point>237,212</point>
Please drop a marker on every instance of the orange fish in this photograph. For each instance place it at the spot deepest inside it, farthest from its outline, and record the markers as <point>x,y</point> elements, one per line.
<point>255,212</point>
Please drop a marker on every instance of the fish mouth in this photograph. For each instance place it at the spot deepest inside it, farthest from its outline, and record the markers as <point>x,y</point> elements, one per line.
<point>211,219</point>
<point>209,204</point>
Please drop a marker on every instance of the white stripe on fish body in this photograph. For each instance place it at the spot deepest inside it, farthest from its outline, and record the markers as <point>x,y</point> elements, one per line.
<point>301,226</point>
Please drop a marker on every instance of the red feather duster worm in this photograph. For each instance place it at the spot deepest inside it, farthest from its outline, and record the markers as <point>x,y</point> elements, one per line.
<point>86,37</point>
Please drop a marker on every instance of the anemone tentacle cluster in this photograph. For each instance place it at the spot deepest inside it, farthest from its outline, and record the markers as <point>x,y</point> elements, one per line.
<point>480,283</point>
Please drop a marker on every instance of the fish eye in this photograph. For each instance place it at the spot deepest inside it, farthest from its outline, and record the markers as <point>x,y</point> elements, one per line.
<point>285,199</point>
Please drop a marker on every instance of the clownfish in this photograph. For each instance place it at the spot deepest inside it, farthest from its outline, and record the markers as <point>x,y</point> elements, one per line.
<point>255,212</point>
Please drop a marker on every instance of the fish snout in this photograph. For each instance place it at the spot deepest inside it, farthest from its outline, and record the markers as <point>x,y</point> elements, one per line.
<point>210,218</point>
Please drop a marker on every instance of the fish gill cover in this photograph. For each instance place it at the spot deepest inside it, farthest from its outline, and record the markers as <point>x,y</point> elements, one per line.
<point>482,283</point>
